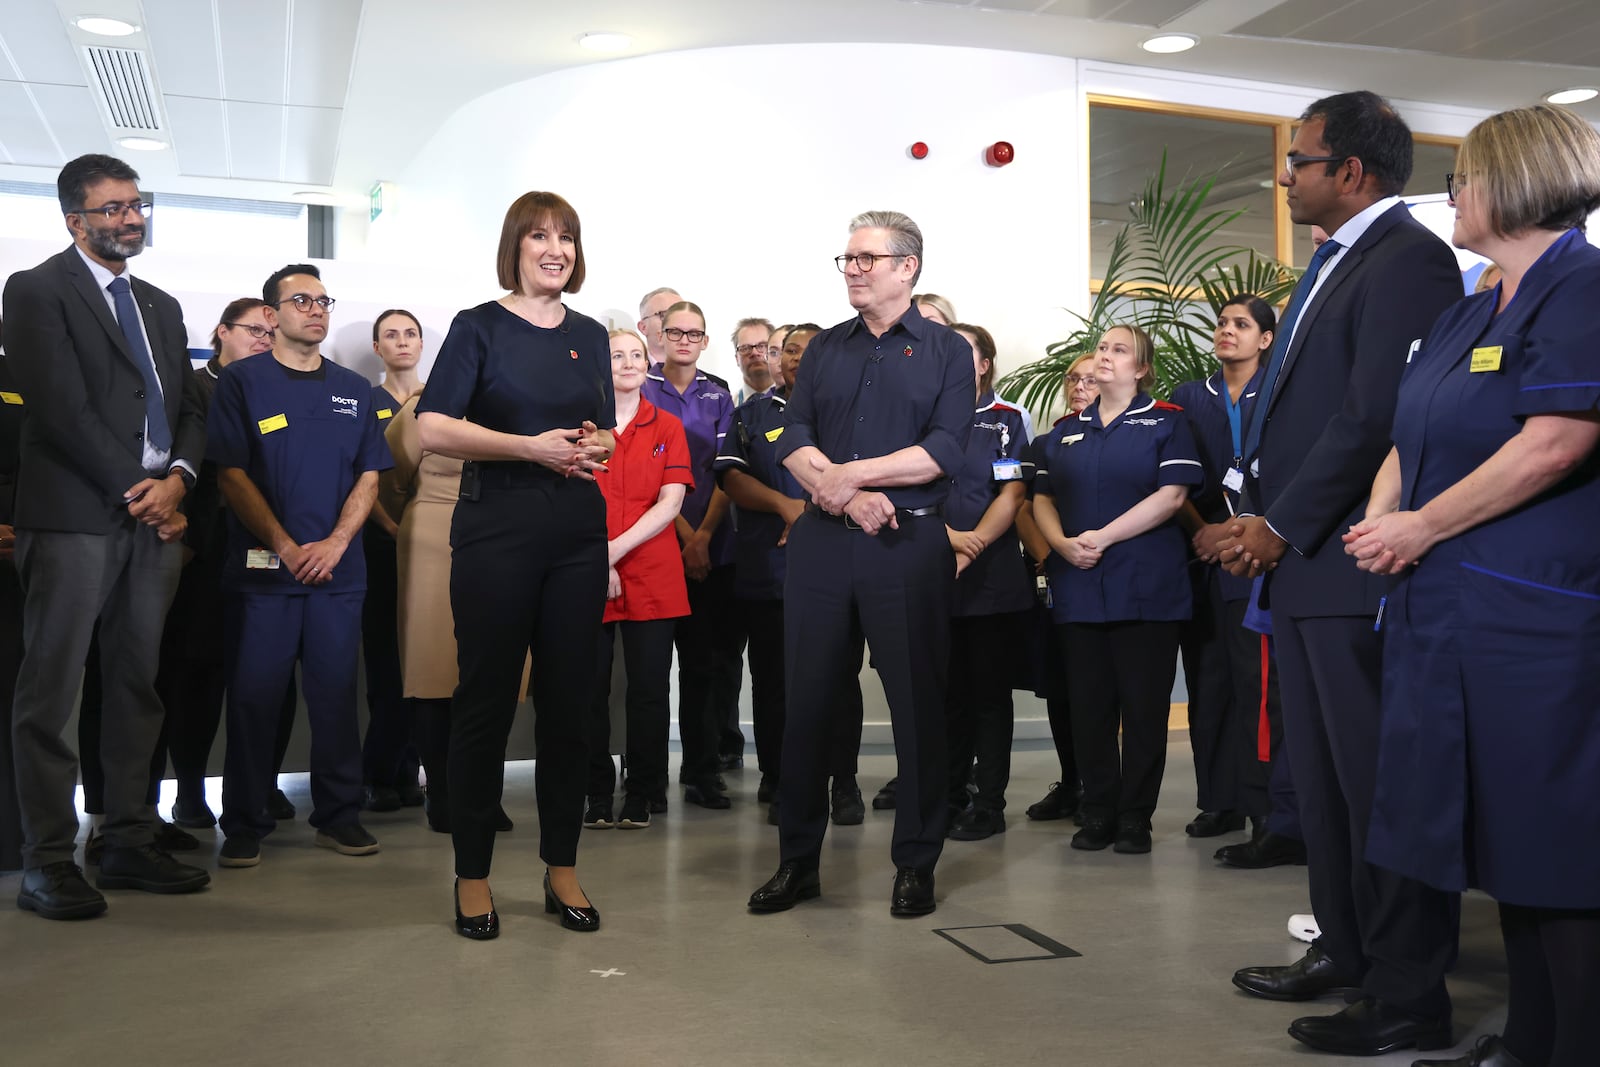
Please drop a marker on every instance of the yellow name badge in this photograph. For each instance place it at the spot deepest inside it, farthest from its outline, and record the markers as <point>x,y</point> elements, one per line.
<point>773,435</point>
<point>276,422</point>
<point>1485,359</point>
<point>385,413</point>
<point>11,398</point>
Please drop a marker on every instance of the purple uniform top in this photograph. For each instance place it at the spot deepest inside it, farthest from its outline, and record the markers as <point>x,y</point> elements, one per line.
<point>706,411</point>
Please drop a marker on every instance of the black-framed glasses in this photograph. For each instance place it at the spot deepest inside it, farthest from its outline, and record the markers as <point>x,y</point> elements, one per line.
<point>750,350</point>
<point>302,302</point>
<point>1075,380</point>
<point>1293,161</point>
<point>1454,183</point>
<point>260,333</point>
<point>862,260</point>
<point>116,209</point>
<point>692,336</point>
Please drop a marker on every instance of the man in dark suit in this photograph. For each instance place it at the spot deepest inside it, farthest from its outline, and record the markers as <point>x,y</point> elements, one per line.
<point>112,434</point>
<point>10,616</point>
<point>1316,441</point>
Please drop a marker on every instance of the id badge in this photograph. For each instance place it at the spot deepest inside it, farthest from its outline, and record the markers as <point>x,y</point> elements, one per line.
<point>1008,470</point>
<point>259,559</point>
<point>1233,480</point>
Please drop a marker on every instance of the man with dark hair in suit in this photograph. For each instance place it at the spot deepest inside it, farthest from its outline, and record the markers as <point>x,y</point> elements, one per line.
<point>112,434</point>
<point>1320,431</point>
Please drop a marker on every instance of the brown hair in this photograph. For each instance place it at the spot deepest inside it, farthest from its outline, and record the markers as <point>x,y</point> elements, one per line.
<point>229,313</point>
<point>985,348</point>
<point>378,322</point>
<point>1535,167</point>
<point>529,212</point>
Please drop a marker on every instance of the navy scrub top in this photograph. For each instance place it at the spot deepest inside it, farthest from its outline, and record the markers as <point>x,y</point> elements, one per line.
<point>752,447</point>
<point>303,438</point>
<point>1206,403</point>
<point>1095,473</point>
<point>998,581</point>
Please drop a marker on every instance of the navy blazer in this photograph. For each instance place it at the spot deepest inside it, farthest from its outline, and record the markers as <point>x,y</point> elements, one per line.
<point>83,420</point>
<point>1328,421</point>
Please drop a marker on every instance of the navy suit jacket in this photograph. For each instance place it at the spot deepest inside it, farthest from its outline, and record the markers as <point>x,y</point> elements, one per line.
<point>83,415</point>
<point>1328,422</point>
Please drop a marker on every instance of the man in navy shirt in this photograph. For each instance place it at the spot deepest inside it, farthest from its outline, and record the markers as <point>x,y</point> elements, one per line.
<point>298,447</point>
<point>880,414</point>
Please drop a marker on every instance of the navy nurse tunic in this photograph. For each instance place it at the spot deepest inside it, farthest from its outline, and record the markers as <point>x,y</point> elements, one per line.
<point>1489,766</point>
<point>1095,473</point>
<point>1206,403</point>
<point>998,581</point>
<point>752,447</point>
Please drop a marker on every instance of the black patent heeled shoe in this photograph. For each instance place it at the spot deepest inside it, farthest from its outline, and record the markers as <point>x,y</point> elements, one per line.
<point>583,920</point>
<point>477,927</point>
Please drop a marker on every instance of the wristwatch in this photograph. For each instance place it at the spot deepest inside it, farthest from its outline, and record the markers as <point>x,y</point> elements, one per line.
<point>183,472</point>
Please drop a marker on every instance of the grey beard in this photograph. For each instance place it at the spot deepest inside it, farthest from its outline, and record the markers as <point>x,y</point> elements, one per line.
<point>107,246</point>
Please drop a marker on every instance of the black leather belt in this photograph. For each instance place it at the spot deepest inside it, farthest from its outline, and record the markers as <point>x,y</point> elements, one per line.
<point>849,523</point>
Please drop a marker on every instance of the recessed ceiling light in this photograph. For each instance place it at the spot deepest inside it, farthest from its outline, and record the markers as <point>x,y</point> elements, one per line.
<point>324,197</point>
<point>1575,95</point>
<point>142,144</point>
<point>105,27</point>
<point>1165,43</point>
<point>606,42</point>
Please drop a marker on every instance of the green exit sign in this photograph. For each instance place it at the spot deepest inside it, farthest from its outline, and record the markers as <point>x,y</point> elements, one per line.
<point>375,201</point>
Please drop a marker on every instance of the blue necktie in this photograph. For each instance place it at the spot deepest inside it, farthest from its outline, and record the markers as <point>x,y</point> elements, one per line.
<point>158,434</point>
<point>1280,343</point>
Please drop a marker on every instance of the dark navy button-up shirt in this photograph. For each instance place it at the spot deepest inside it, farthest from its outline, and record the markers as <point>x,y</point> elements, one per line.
<point>752,447</point>
<point>861,397</point>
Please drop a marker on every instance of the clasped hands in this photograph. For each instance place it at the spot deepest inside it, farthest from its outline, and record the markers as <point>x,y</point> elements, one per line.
<point>1245,545</point>
<point>575,453</point>
<point>836,492</point>
<point>154,502</point>
<point>1391,542</point>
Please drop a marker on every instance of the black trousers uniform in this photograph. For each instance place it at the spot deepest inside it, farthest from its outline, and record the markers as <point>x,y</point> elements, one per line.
<point>647,656</point>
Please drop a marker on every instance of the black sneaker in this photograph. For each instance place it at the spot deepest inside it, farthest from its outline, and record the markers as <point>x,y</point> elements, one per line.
<point>884,801</point>
<point>848,810</point>
<point>597,814</point>
<point>1133,836</point>
<point>279,807</point>
<point>977,823</point>
<point>1058,803</point>
<point>1096,834</point>
<point>707,794</point>
<point>347,839</point>
<point>240,850</point>
<point>381,798</point>
<point>635,813</point>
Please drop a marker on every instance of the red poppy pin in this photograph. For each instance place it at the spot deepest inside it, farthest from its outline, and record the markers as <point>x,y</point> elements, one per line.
<point>907,352</point>
<point>573,352</point>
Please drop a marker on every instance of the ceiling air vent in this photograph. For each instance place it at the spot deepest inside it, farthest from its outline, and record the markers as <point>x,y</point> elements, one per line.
<point>121,76</point>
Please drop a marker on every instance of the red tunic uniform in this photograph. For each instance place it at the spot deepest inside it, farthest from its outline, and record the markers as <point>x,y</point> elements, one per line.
<point>650,453</point>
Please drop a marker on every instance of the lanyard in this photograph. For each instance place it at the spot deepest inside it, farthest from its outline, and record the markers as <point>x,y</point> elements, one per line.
<point>1234,425</point>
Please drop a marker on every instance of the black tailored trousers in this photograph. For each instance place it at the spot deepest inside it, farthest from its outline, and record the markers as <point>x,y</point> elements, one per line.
<point>979,715</point>
<point>709,641</point>
<point>388,757</point>
<point>528,573</point>
<point>647,658</point>
<point>768,704</point>
<point>896,589</point>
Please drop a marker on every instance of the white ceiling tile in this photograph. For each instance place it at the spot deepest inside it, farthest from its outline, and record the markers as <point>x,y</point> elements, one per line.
<point>36,37</point>
<point>322,45</point>
<point>254,36</point>
<point>255,139</point>
<point>74,119</point>
<point>182,36</point>
<point>23,137</point>
<point>314,149</point>
<point>199,135</point>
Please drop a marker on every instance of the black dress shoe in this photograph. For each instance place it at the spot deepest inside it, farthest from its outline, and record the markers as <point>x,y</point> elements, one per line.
<point>171,839</point>
<point>730,762</point>
<point>1215,824</point>
<point>913,892</point>
<point>279,806</point>
<point>773,813</point>
<point>1315,975</point>
<point>583,920</point>
<point>1058,803</point>
<point>381,798</point>
<point>193,815</point>
<point>793,883</point>
<point>58,891</point>
<point>1490,1051</point>
<point>1369,1027</point>
<point>767,791</point>
<point>848,810</point>
<point>437,811</point>
<point>1133,836</point>
<point>885,798</point>
<point>149,869</point>
<point>477,927</point>
<point>1096,834</point>
<point>1268,850</point>
<point>706,795</point>
<point>502,822</point>
<point>411,795</point>
<point>977,823</point>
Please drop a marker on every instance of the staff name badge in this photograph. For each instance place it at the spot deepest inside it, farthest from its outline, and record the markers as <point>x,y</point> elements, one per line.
<point>14,399</point>
<point>773,435</point>
<point>260,559</point>
<point>275,422</point>
<point>1008,470</point>
<point>1233,480</point>
<point>1485,360</point>
<point>385,413</point>
<point>1072,438</point>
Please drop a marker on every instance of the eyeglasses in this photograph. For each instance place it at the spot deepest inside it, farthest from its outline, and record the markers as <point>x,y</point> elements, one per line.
<point>750,350</point>
<point>1454,183</point>
<point>675,334</point>
<point>1074,380</point>
<point>1293,161</point>
<point>863,260</point>
<point>302,302</point>
<point>116,209</point>
<point>260,333</point>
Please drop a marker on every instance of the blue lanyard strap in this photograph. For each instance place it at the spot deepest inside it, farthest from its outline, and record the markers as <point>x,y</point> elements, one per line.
<point>1235,426</point>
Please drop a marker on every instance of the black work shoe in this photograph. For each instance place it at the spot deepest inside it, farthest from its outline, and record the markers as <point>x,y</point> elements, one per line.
<point>977,823</point>
<point>597,813</point>
<point>730,762</point>
<point>279,807</point>
<point>411,795</point>
<point>58,891</point>
<point>1370,1027</point>
<point>1215,824</point>
<point>706,795</point>
<point>171,839</point>
<point>94,846</point>
<point>1489,1051</point>
<point>148,869</point>
<point>913,893</point>
<point>848,810</point>
<point>1133,836</point>
<point>885,799</point>
<point>767,791</point>
<point>1268,850</point>
<point>1097,833</point>
<point>1058,803</point>
<point>658,805</point>
<point>347,839</point>
<point>242,849</point>
<point>193,815</point>
<point>793,883</point>
<point>1314,975</point>
<point>381,798</point>
<point>635,813</point>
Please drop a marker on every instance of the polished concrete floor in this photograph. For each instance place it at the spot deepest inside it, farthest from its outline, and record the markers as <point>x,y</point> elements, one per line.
<point>313,958</point>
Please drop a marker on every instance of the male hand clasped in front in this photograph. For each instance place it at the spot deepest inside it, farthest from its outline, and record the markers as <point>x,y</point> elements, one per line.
<point>836,492</point>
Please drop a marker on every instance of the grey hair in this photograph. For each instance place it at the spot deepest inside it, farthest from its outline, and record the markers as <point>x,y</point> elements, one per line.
<point>905,239</point>
<point>652,294</point>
